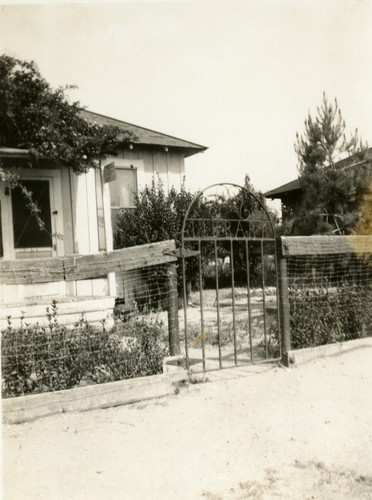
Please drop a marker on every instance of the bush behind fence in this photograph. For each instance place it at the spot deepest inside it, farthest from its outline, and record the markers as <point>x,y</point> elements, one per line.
<point>330,299</point>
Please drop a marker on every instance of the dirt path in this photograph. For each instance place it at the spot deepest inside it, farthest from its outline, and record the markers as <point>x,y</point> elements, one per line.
<point>259,432</point>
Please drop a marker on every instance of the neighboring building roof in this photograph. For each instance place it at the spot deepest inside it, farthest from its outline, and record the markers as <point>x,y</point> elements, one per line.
<point>349,161</point>
<point>282,190</point>
<point>295,185</point>
<point>145,136</point>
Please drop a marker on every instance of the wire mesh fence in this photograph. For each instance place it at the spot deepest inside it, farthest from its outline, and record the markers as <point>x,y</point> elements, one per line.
<point>143,290</point>
<point>329,295</point>
<point>151,291</point>
<point>328,284</point>
<point>52,355</point>
<point>47,358</point>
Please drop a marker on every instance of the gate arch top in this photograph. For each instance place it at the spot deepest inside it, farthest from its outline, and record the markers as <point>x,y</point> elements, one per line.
<point>229,211</point>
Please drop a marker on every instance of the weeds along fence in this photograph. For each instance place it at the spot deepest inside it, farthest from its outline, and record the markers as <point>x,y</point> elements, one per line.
<point>51,355</point>
<point>39,358</point>
<point>326,289</point>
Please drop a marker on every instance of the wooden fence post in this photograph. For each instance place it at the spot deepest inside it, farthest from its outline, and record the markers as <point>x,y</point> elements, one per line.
<point>173,326</point>
<point>285,327</point>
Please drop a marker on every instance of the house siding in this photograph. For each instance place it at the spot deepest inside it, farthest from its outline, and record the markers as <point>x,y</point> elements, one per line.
<point>169,167</point>
<point>75,221</point>
<point>77,217</point>
<point>68,222</point>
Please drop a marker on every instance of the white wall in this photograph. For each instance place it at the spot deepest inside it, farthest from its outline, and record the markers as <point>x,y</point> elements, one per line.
<point>170,166</point>
<point>85,213</point>
<point>74,199</point>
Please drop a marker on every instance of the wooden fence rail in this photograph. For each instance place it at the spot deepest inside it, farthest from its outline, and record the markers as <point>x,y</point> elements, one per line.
<point>325,245</point>
<point>79,267</point>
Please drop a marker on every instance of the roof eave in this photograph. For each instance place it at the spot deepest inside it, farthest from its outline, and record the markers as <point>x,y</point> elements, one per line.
<point>166,139</point>
<point>14,153</point>
<point>289,188</point>
<point>280,194</point>
<point>191,152</point>
<point>187,150</point>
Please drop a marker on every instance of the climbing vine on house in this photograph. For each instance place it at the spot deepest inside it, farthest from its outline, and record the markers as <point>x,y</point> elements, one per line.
<point>36,117</point>
<point>42,120</point>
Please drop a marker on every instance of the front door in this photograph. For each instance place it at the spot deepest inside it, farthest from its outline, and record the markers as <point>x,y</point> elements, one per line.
<point>22,235</point>
<point>32,229</point>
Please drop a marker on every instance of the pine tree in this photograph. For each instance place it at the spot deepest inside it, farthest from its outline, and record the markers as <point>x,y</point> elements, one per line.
<point>332,189</point>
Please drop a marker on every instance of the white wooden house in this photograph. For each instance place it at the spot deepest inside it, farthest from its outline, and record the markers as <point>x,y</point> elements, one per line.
<point>78,212</point>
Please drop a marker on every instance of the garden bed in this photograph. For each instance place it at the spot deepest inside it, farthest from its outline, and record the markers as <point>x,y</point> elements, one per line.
<point>39,359</point>
<point>26,408</point>
<point>301,356</point>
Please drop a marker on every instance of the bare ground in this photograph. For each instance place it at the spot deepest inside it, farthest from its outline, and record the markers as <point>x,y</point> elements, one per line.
<point>255,432</point>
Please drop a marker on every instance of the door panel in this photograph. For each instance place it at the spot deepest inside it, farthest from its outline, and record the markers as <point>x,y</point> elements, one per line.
<point>26,229</point>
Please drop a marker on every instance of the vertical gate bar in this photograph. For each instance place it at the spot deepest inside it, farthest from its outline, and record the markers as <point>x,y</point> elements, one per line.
<point>201,303</point>
<point>264,298</point>
<point>185,303</point>
<point>233,297</point>
<point>277,295</point>
<point>249,301</point>
<point>218,305</point>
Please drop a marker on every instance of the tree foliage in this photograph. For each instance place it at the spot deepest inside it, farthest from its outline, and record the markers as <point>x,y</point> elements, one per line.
<point>324,141</point>
<point>36,117</point>
<point>332,174</point>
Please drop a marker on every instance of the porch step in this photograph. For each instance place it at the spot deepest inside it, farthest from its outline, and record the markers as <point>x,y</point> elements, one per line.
<point>69,311</point>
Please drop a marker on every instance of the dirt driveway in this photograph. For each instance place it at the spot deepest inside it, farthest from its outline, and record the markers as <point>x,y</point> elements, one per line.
<point>256,432</point>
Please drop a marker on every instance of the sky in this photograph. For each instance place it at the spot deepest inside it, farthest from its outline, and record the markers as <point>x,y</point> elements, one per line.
<point>237,76</point>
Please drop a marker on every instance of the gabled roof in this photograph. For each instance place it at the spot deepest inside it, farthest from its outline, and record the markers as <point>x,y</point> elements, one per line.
<point>143,135</point>
<point>284,189</point>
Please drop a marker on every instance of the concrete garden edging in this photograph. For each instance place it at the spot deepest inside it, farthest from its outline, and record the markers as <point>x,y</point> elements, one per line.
<point>90,397</point>
<point>301,356</point>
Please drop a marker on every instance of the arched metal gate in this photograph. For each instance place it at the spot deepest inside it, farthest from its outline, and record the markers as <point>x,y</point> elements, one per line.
<point>230,281</point>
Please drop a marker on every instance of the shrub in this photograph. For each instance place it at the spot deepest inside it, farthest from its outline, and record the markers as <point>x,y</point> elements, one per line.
<point>40,359</point>
<point>323,315</point>
<point>159,216</point>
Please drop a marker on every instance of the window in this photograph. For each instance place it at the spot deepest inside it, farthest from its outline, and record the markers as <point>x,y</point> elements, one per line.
<point>26,231</point>
<point>123,191</point>
<point>124,188</point>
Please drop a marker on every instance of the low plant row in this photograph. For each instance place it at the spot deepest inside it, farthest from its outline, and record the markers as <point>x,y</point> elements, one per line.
<point>319,316</point>
<point>38,359</point>
<point>322,315</point>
